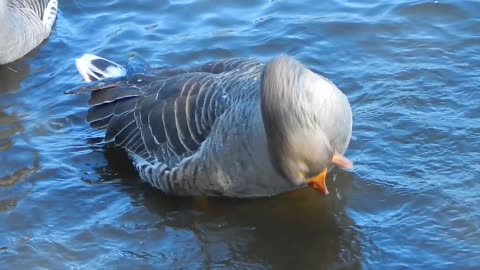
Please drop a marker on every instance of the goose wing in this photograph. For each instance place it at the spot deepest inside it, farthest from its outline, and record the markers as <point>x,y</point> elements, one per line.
<point>163,115</point>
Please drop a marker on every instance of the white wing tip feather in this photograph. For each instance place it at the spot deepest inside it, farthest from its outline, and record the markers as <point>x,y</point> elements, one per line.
<point>50,14</point>
<point>92,67</point>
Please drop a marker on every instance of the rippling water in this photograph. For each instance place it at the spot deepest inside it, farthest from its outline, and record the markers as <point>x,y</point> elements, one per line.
<point>409,68</point>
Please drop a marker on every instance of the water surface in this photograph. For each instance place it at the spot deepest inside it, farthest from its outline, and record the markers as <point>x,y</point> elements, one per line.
<point>409,68</point>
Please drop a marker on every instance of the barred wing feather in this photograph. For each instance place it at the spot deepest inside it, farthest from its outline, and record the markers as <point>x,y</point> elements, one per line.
<point>159,117</point>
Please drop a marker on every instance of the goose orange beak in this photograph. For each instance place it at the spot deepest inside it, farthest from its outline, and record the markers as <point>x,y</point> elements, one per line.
<point>319,182</point>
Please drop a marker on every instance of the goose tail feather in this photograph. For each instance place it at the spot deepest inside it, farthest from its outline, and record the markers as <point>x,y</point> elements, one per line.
<point>49,14</point>
<point>92,68</point>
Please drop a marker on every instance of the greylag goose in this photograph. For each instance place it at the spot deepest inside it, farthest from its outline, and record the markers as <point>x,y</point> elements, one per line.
<point>24,25</point>
<point>231,127</point>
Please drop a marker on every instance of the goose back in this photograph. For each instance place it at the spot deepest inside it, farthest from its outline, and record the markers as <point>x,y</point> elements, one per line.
<point>165,115</point>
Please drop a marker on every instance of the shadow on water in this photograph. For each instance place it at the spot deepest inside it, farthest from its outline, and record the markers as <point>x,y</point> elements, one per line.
<point>25,161</point>
<point>14,167</point>
<point>12,75</point>
<point>297,230</point>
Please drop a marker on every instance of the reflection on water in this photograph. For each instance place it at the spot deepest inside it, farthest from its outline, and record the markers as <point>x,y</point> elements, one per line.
<point>17,161</point>
<point>409,68</point>
<point>306,230</point>
<point>11,76</point>
<point>8,128</point>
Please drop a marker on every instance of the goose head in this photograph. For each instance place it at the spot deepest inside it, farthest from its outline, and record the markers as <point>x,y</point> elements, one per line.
<point>307,120</point>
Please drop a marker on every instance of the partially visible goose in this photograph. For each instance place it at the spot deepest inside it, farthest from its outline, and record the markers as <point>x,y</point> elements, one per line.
<point>24,24</point>
<point>232,127</point>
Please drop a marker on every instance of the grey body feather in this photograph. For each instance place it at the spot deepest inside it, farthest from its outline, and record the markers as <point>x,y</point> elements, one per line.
<point>201,131</point>
<point>25,24</point>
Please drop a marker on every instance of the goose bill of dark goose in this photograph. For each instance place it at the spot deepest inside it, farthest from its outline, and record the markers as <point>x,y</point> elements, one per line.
<point>231,127</point>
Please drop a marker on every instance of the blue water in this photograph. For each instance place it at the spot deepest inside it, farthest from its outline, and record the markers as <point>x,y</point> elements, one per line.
<point>409,68</point>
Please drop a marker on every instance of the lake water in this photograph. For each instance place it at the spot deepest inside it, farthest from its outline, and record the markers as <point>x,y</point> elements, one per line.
<point>411,70</point>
